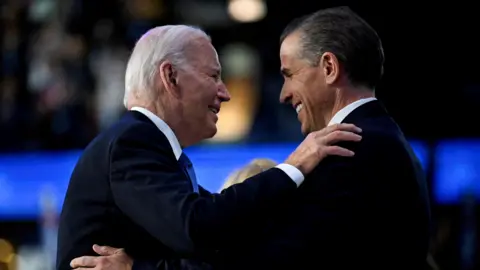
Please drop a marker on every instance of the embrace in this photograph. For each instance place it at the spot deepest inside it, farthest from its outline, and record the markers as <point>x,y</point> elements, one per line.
<point>352,195</point>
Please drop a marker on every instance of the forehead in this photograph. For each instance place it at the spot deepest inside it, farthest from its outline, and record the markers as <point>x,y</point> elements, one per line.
<point>204,55</point>
<point>289,49</point>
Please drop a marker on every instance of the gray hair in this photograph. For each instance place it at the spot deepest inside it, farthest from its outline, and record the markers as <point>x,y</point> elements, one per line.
<point>154,47</point>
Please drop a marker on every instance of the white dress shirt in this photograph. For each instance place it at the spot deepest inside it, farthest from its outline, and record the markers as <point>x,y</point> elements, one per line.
<point>342,114</point>
<point>295,174</point>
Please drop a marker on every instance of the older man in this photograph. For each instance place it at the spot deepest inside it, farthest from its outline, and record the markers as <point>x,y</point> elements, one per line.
<point>134,188</point>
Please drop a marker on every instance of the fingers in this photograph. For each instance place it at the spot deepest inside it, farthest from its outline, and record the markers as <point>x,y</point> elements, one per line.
<point>338,151</point>
<point>85,261</point>
<point>338,136</point>
<point>342,126</point>
<point>105,250</point>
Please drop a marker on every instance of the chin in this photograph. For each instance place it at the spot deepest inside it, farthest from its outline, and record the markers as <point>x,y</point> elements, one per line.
<point>305,130</point>
<point>211,132</point>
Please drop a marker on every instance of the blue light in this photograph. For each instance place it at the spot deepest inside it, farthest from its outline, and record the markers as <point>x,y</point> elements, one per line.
<point>457,171</point>
<point>25,177</point>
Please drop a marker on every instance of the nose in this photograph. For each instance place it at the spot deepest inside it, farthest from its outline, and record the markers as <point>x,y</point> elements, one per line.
<point>285,95</point>
<point>223,93</point>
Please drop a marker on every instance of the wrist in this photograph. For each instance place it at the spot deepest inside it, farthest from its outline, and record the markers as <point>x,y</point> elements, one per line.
<point>295,164</point>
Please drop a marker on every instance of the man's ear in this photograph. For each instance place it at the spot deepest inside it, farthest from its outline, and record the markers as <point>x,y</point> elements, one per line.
<point>169,77</point>
<point>330,66</point>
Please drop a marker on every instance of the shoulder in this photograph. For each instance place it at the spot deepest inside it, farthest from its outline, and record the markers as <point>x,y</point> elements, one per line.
<point>377,147</point>
<point>130,135</point>
<point>379,142</point>
<point>380,136</point>
<point>130,129</point>
<point>138,142</point>
<point>377,156</point>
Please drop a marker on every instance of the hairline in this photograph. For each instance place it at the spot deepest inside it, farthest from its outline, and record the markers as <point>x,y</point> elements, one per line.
<point>177,57</point>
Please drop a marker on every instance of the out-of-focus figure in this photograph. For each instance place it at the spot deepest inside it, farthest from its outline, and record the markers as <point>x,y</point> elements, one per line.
<point>253,168</point>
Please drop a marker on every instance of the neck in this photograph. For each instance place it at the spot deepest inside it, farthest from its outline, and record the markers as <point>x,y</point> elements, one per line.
<point>169,119</point>
<point>346,96</point>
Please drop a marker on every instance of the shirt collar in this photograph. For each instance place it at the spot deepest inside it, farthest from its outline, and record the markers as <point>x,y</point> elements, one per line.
<point>343,113</point>
<point>164,128</point>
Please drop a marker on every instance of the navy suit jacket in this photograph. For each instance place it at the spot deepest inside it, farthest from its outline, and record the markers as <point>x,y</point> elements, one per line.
<point>368,211</point>
<point>128,190</point>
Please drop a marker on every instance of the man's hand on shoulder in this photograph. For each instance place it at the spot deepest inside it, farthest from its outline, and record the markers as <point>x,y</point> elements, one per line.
<point>110,259</point>
<point>320,144</point>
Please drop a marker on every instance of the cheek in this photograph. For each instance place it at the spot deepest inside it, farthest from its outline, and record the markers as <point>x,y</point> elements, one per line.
<point>200,99</point>
<point>292,87</point>
<point>293,84</point>
<point>199,96</point>
<point>310,99</point>
<point>210,92</point>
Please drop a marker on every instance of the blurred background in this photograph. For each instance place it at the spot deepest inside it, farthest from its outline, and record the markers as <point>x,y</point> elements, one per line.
<point>62,66</point>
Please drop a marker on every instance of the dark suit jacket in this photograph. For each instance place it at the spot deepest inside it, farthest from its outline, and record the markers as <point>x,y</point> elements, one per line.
<point>368,211</point>
<point>128,190</point>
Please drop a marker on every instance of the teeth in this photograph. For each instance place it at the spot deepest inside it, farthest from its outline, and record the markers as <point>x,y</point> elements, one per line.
<point>215,111</point>
<point>299,108</point>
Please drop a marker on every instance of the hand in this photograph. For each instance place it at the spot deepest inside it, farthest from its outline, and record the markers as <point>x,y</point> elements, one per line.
<point>318,145</point>
<point>110,259</point>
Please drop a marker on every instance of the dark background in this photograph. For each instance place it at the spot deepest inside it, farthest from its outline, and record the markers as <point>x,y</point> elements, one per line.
<point>430,87</point>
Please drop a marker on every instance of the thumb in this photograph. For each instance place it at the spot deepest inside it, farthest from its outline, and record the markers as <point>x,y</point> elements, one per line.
<point>105,250</point>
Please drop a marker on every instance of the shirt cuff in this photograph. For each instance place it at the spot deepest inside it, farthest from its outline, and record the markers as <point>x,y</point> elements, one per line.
<point>295,174</point>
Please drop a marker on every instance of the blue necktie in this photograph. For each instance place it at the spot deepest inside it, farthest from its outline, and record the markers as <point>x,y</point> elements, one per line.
<point>188,168</point>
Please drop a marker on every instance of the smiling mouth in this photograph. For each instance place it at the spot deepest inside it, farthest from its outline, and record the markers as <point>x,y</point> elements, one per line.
<point>298,107</point>
<point>213,109</point>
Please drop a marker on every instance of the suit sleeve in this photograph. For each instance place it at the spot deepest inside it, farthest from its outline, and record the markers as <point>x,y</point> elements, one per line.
<point>145,265</point>
<point>284,247</point>
<point>149,186</point>
<point>331,203</point>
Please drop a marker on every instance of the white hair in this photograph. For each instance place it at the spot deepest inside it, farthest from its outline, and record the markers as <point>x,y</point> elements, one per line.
<point>155,46</point>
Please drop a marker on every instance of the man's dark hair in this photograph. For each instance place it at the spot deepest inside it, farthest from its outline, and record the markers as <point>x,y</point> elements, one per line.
<point>342,32</point>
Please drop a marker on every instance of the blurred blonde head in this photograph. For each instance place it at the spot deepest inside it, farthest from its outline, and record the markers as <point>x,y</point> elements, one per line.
<point>8,259</point>
<point>253,168</point>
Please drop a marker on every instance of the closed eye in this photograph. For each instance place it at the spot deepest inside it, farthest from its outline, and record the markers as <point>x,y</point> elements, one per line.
<point>216,77</point>
<point>286,73</point>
